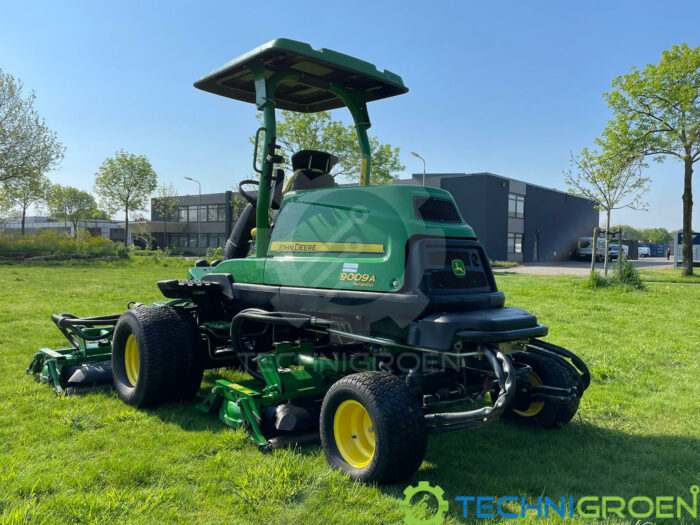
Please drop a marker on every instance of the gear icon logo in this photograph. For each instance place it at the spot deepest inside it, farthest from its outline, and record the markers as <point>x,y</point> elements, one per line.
<point>420,512</point>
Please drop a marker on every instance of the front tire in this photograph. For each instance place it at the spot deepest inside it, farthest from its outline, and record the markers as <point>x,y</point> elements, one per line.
<point>546,414</point>
<point>156,356</point>
<point>372,428</point>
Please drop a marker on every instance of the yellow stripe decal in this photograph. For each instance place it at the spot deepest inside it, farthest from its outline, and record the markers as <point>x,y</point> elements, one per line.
<point>316,247</point>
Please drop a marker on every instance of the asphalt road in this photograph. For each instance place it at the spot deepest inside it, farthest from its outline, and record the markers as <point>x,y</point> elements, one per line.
<point>580,267</point>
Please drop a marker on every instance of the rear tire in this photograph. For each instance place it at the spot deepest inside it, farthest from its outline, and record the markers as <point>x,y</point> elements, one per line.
<point>373,428</point>
<point>156,356</point>
<point>546,414</point>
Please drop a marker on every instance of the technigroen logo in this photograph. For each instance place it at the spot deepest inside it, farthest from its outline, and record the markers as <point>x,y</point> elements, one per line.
<point>429,509</point>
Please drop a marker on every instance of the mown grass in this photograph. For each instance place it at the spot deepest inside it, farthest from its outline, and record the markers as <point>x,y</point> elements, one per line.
<point>92,459</point>
<point>669,275</point>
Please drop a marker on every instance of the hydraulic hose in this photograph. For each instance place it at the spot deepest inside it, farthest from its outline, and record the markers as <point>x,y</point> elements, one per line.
<point>505,372</point>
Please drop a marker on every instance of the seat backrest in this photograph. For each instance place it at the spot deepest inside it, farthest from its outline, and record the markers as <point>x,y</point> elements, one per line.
<point>306,179</point>
<point>276,194</point>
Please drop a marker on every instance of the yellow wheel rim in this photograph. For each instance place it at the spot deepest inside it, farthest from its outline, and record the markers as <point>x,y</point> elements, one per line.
<point>354,433</point>
<point>535,407</point>
<point>131,359</point>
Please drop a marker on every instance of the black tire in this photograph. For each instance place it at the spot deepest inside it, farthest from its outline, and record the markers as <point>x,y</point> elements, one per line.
<point>170,366</point>
<point>397,421</point>
<point>551,373</point>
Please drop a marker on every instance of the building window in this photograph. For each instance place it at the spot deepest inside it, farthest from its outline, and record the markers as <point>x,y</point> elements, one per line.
<point>515,243</point>
<point>516,205</point>
<point>215,212</point>
<point>182,214</point>
<point>215,240</point>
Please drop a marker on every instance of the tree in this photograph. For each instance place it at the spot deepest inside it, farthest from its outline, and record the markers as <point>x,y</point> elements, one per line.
<point>165,203</point>
<point>631,233</point>
<point>26,143</point>
<point>125,182</point>
<point>653,235</point>
<point>657,235</point>
<point>297,131</point>
<point>609,179</point>
<point>657,113</point>
<point>23,191</point>
<point>71,204</point>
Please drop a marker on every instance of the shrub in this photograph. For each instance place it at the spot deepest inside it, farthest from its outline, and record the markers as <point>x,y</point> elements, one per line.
<point>121,251</point>
<point>503,264</point>
<point>55,243</point>
<point>596,280</point>
<point>215,253</point>
<point>628,276</point>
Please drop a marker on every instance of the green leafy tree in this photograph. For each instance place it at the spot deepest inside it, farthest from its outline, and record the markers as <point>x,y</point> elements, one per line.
<point>124,183</point>
<point>297,131</point>
<point>657,114</point>
<point>23,191</point>
<point>71,205</point>
<point>100,215</point>
<point>657,235</point>
<point>609,179</point>
<point>165,203</point>
<point>630,232</point>
<point>653,235</point>
<point>26,143</point>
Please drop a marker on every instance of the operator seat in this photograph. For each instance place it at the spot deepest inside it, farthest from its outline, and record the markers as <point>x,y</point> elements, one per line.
<point>311,170</point>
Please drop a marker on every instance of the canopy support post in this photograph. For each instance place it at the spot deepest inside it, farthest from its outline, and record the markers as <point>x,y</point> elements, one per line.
<point>265,101</point>
<point>358,108</point>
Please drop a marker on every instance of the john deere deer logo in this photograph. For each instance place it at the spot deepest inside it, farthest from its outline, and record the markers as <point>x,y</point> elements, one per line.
<point>458,267</point>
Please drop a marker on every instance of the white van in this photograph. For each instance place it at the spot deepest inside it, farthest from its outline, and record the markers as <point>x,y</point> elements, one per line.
<point>583,250</point>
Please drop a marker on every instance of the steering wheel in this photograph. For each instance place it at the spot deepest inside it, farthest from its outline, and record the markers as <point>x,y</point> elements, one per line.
<point>253,200</point>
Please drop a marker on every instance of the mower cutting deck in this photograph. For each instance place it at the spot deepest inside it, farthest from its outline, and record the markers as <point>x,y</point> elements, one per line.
<point>366,314</point>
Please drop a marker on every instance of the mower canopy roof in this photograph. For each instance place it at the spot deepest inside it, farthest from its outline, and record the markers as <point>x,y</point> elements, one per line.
<point>318,70</point>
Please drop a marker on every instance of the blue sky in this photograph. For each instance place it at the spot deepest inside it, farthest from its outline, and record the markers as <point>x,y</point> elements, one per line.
<point>506,87</point>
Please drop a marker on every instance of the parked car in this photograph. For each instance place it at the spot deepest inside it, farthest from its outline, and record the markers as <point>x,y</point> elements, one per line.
<point>644,251</point>
<point>614,250</point>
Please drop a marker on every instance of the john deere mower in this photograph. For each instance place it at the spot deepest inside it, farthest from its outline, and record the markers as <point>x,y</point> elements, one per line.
<point>366,314</point>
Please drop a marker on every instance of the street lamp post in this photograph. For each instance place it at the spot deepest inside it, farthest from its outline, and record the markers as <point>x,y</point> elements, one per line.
<point>421,158</point>
<point>199,214</point>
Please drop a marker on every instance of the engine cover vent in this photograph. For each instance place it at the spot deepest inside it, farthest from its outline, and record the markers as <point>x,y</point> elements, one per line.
<point>435,209</point>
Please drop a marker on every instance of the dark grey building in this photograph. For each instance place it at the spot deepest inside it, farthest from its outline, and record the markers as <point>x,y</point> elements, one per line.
<point>192,227</point>
<point>515,220</point>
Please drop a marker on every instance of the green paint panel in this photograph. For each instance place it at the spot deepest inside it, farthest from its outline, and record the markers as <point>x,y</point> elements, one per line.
<point>351,237</point>
<point>248,270</point>
<point>316,71</point>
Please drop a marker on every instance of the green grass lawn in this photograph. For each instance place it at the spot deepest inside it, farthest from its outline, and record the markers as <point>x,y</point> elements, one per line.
<point>670,275</point>
<point>92,459</point>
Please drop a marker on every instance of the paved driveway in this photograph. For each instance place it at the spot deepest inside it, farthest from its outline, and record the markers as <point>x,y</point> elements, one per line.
<point>579,267</point>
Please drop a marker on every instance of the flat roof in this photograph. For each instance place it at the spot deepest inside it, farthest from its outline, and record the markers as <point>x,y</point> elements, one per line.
<point>419,176</point>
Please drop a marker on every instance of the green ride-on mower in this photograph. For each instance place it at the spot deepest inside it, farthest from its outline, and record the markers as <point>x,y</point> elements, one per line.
<point>366,314</point>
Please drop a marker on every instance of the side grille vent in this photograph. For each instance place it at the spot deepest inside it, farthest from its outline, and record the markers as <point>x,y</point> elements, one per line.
<point>435,209</point>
